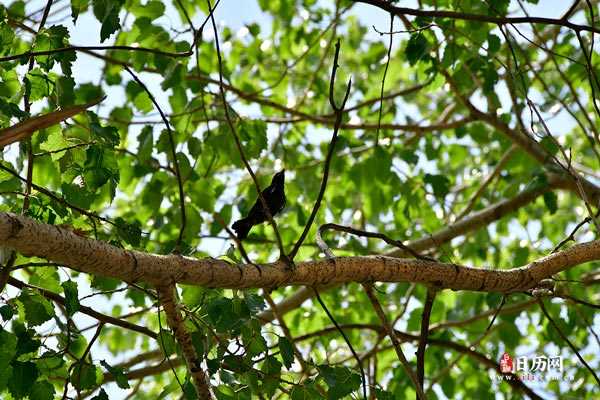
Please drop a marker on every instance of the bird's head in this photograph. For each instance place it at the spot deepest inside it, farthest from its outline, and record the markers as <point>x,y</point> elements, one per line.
<point>279,178</point>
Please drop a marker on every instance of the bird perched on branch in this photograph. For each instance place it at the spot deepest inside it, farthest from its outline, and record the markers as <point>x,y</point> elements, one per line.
<point>274,196</point>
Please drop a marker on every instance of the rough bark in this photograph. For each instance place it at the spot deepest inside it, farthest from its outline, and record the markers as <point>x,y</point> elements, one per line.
<point>32,238</point>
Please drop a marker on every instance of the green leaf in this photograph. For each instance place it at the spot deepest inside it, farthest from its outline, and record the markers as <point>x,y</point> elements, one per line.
<point>7,35</point>
<point>107,13</point>
<point>27,340</point>
<point>143,102</point>
<point>493,43</point>
<point>77,195</point>
<point>145,146</point>
<point>551,201</point>
<point>305,391</point>
<point>8,347</point>
<point>167,343</point>
<point>221,314</point>
<point>439,183</point>
<point>198,339</point>
<point>37,309</point>
<point>131,233</point>
<point>101,395</point>
<point>253,134</point>
<point>286,351</point>
<point>109,135</point>
<point>118,373</point>
<point>42,390</point>
<point>7,312</point>
<point>254,302</point>
<point>152,9</point>
<point>340,380</point>
<point>54,37</point>
<point>55,142</point>
<point>40,83</point>
<point>416,48</point>
<point>509,335</point>
<point>24,375</point>
<point>71,297</point>
<point>83,376</point>
<point>77,7</point>
<point>521,256</point>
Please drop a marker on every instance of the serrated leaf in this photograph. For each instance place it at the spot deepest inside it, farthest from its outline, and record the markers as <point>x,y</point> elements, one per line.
<point>117,373</point>
<point>83,376</point>
<point>551,201</point>
<point>152,9</point>
<point>24,375</point>
<point>42,390</point>
<point>417,48</point>
<point>8,347</point>
<point>71,297</point>
<point>107,13</point>
<point>286,351</point>
<point>7,312</point>
<point>101,396</point>
<point>340,380</point>
<point>37,309</point>
<point>439,183</point>
<point>145,143</point>
<point>493,43</point>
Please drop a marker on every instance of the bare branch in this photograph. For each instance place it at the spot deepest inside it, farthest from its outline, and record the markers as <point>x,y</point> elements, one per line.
<point>339,112</point>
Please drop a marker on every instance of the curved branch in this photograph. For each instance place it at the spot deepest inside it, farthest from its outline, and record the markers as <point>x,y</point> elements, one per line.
<point>400,11</point>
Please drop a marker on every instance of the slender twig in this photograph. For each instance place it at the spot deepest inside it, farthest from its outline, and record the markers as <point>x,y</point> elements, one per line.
<point>339,112</point>
<point>232,236</point>
<point>505,158</point>
<point>425,317</point>
<point>359,232</point>
<point>578,301</point>
<point>173,154</point>
<point>566,339</point>
<point>389,7</point>
<point>84,48</point>
<point>395,341</point>
<point>238,143</point>
<point>570,11</point>
<point>387,64</point>
<point>27,107</point>
<point>571,236</point>
<point>393,32</point>
<point>451,365</point>
<point>85,310</point>
<point>79,361</point>
<point>286,331</point>
<point>334,322</point>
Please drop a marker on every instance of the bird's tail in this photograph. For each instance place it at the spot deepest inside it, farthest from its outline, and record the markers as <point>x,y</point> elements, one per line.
<point>242,227</point>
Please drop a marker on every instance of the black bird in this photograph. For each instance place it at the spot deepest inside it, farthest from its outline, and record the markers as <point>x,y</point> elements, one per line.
<point>274,196</point>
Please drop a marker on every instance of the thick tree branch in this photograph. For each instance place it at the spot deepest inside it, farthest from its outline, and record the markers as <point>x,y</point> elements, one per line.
<point>32,238</point>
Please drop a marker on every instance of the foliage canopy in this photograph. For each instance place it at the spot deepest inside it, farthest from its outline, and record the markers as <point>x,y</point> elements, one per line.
<point>457,114</point>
